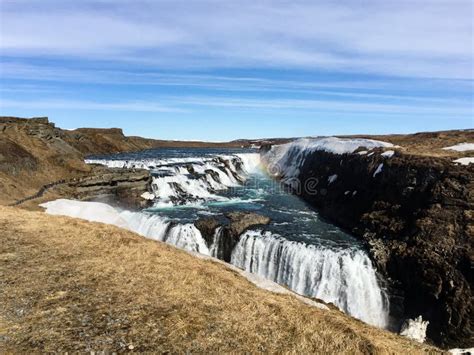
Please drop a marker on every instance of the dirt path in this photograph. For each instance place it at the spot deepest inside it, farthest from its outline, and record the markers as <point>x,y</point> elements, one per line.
<point>40,192</point>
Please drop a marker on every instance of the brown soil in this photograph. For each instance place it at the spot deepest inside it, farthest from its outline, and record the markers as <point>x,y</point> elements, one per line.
<point>70,285</point>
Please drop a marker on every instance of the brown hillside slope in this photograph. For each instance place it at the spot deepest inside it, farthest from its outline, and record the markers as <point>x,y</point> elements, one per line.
<point>71,285</point>
<point>34,153</point>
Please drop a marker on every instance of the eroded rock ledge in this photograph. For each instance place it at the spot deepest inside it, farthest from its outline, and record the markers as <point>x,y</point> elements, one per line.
<point>119,187</point>
<point>233,224</point>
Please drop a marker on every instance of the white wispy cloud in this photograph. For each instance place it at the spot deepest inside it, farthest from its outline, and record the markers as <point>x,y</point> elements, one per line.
<point>341,87</point>
<point>192,104</point>
<point>418,38</point>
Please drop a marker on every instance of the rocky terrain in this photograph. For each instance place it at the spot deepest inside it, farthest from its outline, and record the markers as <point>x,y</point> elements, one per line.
<point>415,211</point>
<point>233,224</point>
<point>34,153</point>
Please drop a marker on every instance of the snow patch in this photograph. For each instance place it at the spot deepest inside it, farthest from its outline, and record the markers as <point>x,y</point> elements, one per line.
<point>332,178</point>
<point>378,170</point>
<point>462,351</point>
<point>388,154</point>
<point>286,160</point>
<point>147,196</point>
<point>461,147</point>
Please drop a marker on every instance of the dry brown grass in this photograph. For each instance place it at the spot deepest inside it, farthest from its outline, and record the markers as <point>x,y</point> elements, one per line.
<point>69,285</point>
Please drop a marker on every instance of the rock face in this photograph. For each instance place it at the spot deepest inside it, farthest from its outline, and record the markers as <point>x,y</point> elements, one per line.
<point>121,187</point>
<point>416,215</point>
<point>223,234</point>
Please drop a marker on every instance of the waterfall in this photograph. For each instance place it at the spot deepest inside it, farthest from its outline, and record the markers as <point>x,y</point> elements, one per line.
<point>216,249</point>
<point>191,181</point>
<point>184,236</point>
<point>345,278</point>
<point>285,160</point>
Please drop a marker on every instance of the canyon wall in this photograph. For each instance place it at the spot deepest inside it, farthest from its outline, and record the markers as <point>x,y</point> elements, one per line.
<point>415,214</point>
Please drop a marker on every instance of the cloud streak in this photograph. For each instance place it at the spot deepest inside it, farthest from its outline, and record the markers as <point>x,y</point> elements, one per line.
<point>190,105</point>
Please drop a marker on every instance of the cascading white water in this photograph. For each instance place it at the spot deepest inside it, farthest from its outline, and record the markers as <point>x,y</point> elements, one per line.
<point>184,236</point>
<point>345,278</point>
<point>216,243</point>
<point>188,181</point>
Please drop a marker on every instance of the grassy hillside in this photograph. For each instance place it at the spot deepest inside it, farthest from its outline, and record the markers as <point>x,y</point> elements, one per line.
<point>71,285</point>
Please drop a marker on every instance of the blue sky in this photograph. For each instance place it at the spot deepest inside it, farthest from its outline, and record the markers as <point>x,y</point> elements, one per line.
<point>221,70</point>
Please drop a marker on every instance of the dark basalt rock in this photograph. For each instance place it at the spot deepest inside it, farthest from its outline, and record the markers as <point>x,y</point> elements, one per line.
<point>207,227</point>
<point>233,225</point>
<point>213,174</point>
<point>416,216</point>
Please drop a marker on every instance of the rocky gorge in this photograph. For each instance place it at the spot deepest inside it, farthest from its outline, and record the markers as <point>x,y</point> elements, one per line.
<point>412,208</point>
<point>415,214</point>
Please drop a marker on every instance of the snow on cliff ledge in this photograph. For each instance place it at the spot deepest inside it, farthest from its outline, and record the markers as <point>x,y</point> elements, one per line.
<point>285,160</point>
<point>464,161</point>
<point>337,145</point>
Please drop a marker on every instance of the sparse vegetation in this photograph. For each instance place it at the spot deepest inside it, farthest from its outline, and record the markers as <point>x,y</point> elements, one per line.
<point>70,285</point>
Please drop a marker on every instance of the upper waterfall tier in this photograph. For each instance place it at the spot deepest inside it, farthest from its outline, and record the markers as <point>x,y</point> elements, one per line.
<point>191,180</point>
